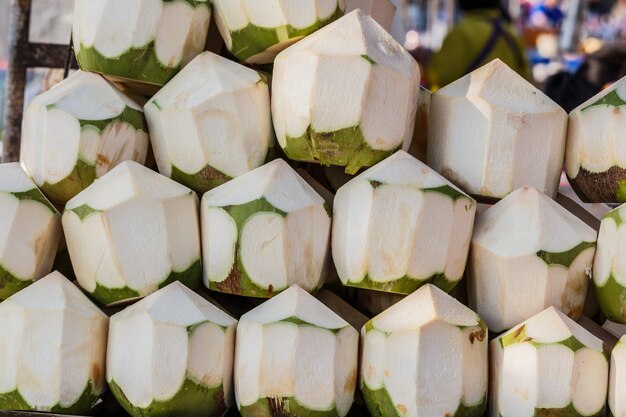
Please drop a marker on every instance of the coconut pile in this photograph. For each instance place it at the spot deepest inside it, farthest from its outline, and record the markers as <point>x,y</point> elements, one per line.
<point>246,207</point>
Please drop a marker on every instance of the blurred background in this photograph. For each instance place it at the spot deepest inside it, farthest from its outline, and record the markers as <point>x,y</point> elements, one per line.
<point>571,48</point>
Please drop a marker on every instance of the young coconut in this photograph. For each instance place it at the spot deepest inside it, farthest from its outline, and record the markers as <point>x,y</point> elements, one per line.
<point>132,232</point>
<point>609,266</point>
<point>53,345</point>
<point>264,231</point>
<point>492,132</point>
<point>617,379</point>
<point>142,41</point>
<point>30,231</point>
<point>346,95</point>
<point>400,225</point>
<point>172,361</point>
<point>528,253</point>
<point>594,159</point>
<point>295,357</point>
<point>77,131</point>
<point>425,356</point>
<point>199,136</point>
<point>548,366</point>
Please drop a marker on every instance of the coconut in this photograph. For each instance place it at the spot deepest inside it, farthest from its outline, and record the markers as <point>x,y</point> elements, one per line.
<point>77,131</point>
<point>491,132</point>
<point>617,397</point>
<point>30,231</point>
<point>210,123</point>
<point>547,366</point>
<point>609,267</point>
<point>132,232</point>
<point>295,357</point>
<point>419,144</point>
<point>264,231</point>
<point>400,225</point>
<point>528,253</point>
<point>345,95</point>
<point>425,356</point>
<point>53,344</point>
<point>146,41</point>
<point>172,361</point>
<point>596,151</point>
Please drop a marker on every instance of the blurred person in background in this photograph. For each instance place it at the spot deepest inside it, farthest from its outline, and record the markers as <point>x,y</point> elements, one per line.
<point>483,34</point>
<point>547,14</point>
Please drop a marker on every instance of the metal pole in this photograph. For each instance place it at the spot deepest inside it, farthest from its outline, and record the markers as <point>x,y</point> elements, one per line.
<point>19,23</point>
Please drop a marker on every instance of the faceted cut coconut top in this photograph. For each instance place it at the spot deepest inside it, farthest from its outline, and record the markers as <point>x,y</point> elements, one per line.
<point>295,304</point>
<point>13,179</point>
<point>486,83</point>
<point>53,292</point>
<point>178,305</point>
<point>427,304</point>
<point>127,180</point>
<point>104,100</point>
<point>614,96</point>
<point>358,34</point>
<point>526,221</point>
<point>212,76</point>
<point>550,326</point>
<point>404,169</point>
<point>276,181</point>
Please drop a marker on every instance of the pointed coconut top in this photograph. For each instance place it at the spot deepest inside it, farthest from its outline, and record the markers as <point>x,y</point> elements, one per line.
<point>614,96</point>
<point>53,292</point>
<point>86,96</point>
<point>527,221</point>
<point>485,83</point>
<point>551,326</point>
<point>276,181</point>
<point>13,179</point>
<point>403,169</point>
<point>206,76</point>
<point>127,180</point>
<point>356,34</point>
<point>295,305</point>
<point>177,305</point>
<point>425,305</point>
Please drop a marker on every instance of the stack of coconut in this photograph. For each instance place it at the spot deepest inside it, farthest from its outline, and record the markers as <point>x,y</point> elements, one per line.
<point>240,206</point>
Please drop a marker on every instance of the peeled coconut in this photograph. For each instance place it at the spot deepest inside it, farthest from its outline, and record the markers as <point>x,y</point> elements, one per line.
<point>172,361</point>
<point>146,41</point>
<point>132,232</point>
<point>548,366</point>
<point>617,396</point>
<point>264,231</point>
<point>609,267</point>
<point>528,253</point>
<point>210,123</point>
<point>295,357</point>
<point>425,356</point>
<point>400,225</point>
<point>346,95</point>
<point>30,231</point>
<point>419,144</point>
<point>596,150</point>
<point>491,132</point>
<point>78,131</point>
<point>53,343</point>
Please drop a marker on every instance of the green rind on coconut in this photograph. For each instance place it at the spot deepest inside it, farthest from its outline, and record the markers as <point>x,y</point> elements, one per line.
<point>404,285</point>
<point>379,404</point>
<point>35,195</point>
<point>14,401</point>
<point>191,277</point>
<point>238,281</point>
<point>10,284</point>
<point>612,300</point>
<point>565,258</point>
<point>345,147</point>
<point>612,99</point>
<point>81,177</point>
<point>283,407</point>
<point>253,40</point>
<point>300,322</point>
<point>192,399</point>
<point>84,211</point>
<point>448,191</point>
<point>204,180</point>
<point>520,336</point>
<point>569,411</point>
